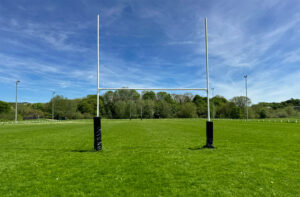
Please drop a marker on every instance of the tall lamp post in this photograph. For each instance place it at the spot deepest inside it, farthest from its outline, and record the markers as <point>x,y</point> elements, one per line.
<point>53,93</point>
<point>246,99</point>
<point>16,110</point>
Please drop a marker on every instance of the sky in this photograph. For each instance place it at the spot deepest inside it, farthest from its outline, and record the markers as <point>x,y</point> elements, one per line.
<point>52,46</point>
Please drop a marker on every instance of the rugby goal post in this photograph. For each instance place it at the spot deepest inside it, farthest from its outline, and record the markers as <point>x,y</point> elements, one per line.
<point>97,119</point>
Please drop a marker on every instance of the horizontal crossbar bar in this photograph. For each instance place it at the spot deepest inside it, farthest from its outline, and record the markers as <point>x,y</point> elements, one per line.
<point>153,89</point>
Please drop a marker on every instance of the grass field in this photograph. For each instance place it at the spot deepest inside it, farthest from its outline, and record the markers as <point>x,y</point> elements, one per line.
<point>150,158</point>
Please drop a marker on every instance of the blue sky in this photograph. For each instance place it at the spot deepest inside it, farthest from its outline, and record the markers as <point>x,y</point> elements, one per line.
<point>51,46</point>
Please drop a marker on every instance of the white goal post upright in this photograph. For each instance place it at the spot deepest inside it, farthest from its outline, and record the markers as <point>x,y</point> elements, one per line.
<point>98,65</point>
<point>207,73</point>
<point>97,119</point>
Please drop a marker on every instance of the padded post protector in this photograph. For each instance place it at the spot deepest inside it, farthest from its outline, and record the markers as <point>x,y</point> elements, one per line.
<point>209,134</point>
<point>97,134</point>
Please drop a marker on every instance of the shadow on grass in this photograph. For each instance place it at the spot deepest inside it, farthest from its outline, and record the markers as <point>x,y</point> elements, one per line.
<point>38,149</point>
<point>200,148</point>
<point>85,151</point>
<point>54,150</point>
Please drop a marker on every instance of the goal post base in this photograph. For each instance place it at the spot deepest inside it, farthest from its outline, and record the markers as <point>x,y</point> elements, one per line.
<point>97,134</point>
<point>209,134</point>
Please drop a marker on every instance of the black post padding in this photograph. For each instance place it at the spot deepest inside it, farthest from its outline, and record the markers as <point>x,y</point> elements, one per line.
<point>209,134</point>
<point>97,134</point>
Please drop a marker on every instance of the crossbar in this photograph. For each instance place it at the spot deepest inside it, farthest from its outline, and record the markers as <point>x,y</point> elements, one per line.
<point>204,89</point>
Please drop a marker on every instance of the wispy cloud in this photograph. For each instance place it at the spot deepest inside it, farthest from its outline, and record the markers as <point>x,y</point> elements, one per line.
<point>53,35</point>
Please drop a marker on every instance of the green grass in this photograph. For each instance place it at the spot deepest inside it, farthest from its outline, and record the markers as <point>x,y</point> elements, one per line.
<point>150,158</point>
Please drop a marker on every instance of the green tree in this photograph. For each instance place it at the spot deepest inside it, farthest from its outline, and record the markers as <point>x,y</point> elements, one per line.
<point>187,110</point>
<point>241,101</point>
<point>126,95</point>
<point>164,96</point>
<point>121,110</point>
<point>235,112</point>
<point>64,108</point>
<point>4,107</point>
<point>149,95</point>
<point>29,111</point>
<point>108,102</point>
<point>217,103</point>
<point>262,113</point>
<point>88,105</point>
<point>162,110</point>
<point>201,105</point>
<point>148,109</point>
<point>84,106</point>
<point>5,112</point>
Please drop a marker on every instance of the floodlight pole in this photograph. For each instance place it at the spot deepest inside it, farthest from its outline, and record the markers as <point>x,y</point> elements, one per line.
<point>53,93</point>
<point>246,99</point>
<point>16,109</point>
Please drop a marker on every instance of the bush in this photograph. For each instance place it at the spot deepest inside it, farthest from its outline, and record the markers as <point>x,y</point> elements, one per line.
<point>282,114</point>
<point>9,116</point>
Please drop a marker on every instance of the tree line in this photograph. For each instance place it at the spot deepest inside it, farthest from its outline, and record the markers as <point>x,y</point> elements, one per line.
<point>125,104</point>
